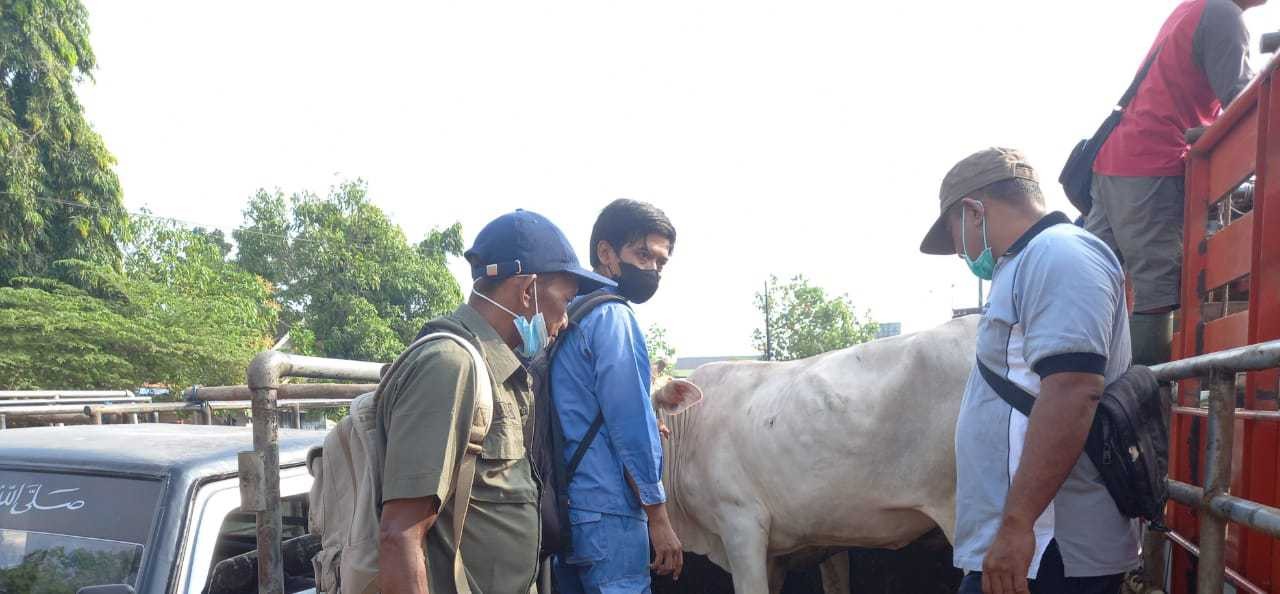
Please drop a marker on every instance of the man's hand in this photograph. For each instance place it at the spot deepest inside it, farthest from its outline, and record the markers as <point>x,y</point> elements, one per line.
<point>1004,570</point>
<point>668,553</point>
<point>402,565</point>
<point>1056,434</point>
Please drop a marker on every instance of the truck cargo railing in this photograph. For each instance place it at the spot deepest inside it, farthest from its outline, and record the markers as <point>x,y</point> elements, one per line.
<point>134,413</point>
<point>260,469</point>
<point>1212,503</point>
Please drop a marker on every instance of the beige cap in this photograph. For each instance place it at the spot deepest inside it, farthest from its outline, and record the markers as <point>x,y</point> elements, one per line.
<point>973,173</point>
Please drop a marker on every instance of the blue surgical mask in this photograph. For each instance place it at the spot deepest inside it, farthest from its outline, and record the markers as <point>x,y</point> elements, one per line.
<point>533,331</point>
<point>985,266</point>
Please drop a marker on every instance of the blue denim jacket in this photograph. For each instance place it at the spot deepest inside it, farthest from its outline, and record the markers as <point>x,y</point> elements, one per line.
<point>602,365</point>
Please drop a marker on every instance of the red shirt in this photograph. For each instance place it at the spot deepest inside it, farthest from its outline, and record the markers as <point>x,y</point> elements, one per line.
<point>1178,93</point>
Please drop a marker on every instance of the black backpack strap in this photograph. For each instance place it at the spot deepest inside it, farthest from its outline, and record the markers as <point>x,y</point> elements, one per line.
<point>1137,80</point>
<point>581,308</point>
<point>578,454</point>
<point>1016,397</point>
<point>577,311</point>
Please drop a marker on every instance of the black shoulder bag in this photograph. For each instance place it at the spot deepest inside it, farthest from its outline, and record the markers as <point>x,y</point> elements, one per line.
<point>1077,174</point>
<point>1128,441</point>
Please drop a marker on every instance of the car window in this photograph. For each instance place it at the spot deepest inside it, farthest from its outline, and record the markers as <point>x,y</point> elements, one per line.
<point>220,531</point>
<point>60,532</point>
<point>239,532</point>
<point>56,563</point>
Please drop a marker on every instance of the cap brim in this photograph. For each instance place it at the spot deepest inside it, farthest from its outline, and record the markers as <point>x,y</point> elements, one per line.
<point>938,241</point>
<point>589,281</point>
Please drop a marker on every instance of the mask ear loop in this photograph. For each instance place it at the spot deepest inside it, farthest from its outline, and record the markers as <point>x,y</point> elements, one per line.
<point>490,300</point>
<point>536,310</point>
<point>964,245</point>
<point>985,245</point>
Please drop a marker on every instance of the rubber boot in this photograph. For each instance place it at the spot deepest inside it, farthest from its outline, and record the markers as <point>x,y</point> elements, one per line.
<point>1152,336</point>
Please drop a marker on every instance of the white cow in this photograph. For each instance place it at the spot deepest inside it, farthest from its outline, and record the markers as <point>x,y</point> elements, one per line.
<point>853,448</point>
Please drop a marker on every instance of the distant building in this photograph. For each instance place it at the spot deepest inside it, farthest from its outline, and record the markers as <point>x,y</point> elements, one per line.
<point>967,311</point>
<point>686,365</point>
<point>888,329</point>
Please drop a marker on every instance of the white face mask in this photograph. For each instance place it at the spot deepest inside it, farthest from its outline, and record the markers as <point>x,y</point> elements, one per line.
<point>533,331</point>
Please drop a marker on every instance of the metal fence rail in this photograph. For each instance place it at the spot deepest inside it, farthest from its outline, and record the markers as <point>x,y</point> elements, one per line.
<point>203,410</point>
<point>1214,507</point>
<point>262,496</point>
<point>58,394</point>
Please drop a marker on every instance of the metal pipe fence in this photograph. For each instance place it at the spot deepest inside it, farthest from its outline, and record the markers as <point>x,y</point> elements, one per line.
<point>262,496</point>
<point>129,413</point>
<point>59,394</point>
<point>1212,503</point>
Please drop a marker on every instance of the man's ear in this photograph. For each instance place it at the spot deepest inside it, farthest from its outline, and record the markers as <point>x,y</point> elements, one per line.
<point>606,255</point>
<point>527,288</point>
<point>974,209</point>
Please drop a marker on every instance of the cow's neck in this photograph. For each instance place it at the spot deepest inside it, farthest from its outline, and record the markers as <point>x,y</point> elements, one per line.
<point>673,460</point>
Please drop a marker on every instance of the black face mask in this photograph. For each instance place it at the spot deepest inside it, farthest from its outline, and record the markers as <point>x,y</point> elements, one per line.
<point>636,284</point>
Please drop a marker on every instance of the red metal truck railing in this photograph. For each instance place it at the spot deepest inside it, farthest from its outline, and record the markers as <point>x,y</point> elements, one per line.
<point>1230,298</point>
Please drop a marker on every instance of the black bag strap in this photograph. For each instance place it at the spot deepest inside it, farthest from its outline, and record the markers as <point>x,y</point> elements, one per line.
<point>1137,80</point>
<point>579,453</point>
<point>1016,397</point>
<point>576,312</point>
<point>599,297</point>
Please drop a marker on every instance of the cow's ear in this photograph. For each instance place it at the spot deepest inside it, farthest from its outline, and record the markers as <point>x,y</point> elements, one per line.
<point>677,396</point>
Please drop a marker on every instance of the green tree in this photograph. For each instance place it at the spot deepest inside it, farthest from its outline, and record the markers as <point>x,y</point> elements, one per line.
<point>183,315</point>
<point>223,314</point>
<point>351,284</point>
<point>660,350</point>
<point>802,321</point>
<point>59,198</point>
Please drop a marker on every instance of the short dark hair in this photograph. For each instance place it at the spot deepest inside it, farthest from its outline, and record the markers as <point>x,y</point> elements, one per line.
<point>1017,191</point>
<point>486,285</point>
<point>625,221</point>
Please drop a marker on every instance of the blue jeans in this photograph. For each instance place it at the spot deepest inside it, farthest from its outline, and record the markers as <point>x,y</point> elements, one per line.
<point>1051,579</point>
<point>610,555</point>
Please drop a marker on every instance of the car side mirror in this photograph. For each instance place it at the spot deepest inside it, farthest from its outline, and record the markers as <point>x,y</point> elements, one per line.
<point>107,589</point>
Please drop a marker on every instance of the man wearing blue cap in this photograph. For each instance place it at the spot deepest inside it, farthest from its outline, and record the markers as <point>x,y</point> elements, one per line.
<point>525,275</point>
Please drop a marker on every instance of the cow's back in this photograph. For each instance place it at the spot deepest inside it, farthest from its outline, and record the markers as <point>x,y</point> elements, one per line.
<point>842,449</point>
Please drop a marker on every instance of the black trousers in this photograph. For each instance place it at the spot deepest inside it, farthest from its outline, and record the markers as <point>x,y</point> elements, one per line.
<point>1051,579</point>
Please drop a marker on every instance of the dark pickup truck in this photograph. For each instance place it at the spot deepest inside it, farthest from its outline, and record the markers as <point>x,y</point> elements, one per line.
<point>148,508</point>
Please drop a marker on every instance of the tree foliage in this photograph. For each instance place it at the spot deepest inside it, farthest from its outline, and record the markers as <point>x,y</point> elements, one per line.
<point>351,284</point>
<point>803,321</point>
<point>90,298</point>
<point>182,315</point>
<point>59,198</point>
<point>660,350</point>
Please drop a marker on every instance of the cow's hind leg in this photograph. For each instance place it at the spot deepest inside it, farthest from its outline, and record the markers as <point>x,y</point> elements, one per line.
<point>835,574</point>
<point>746,543</point>
<point>777,576</point>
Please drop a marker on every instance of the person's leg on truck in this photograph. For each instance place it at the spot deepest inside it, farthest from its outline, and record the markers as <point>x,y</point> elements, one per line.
<point>1141,219</point>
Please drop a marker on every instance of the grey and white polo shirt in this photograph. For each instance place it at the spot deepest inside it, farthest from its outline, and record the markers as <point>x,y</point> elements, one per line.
<point>1057,305</point>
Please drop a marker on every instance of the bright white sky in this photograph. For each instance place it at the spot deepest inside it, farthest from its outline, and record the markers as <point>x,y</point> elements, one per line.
<point>780,137</point>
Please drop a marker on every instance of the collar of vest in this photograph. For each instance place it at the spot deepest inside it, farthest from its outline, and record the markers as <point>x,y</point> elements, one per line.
<point>1049,220</point>
<point>468,323</point>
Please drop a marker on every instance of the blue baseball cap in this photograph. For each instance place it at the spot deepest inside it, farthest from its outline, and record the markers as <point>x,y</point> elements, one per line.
<point>524,242</point>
